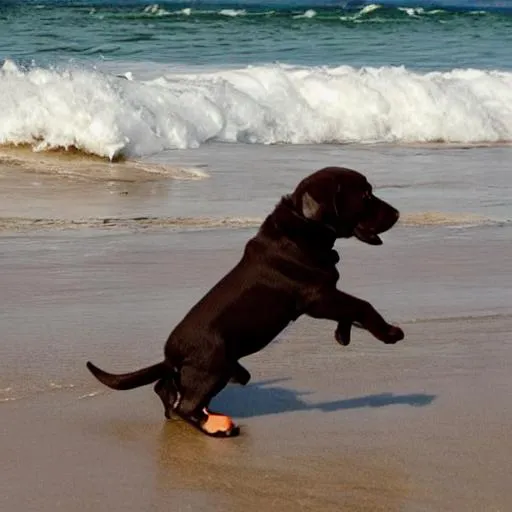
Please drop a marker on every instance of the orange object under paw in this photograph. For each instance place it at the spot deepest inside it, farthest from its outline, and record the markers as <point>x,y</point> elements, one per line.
<point>216,422</point>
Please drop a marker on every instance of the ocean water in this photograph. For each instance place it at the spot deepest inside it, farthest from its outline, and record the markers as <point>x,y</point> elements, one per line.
<point>416,94</point>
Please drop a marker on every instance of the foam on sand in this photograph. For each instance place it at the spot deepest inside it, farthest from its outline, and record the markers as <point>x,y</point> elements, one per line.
<point>446,219</point>
<point>23,224</point>
<point>79,166</point>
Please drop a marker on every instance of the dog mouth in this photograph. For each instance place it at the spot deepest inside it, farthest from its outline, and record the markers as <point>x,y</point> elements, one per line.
<point>368,229</point>
<point>367,235</point>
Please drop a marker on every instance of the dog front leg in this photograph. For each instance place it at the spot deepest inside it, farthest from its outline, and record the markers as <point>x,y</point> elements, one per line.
<point>343,330</point>
<point>347,310</point>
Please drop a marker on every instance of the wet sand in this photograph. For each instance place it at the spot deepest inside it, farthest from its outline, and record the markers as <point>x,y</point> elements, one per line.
<point>420,426</point>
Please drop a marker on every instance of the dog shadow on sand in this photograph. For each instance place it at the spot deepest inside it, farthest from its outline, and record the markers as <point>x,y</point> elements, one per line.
<point>265,397</point>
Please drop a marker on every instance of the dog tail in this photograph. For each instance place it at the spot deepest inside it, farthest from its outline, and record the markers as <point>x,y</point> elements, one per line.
<point>131,380</point>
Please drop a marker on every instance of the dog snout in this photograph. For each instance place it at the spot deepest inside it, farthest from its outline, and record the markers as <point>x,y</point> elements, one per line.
<point>387,216</point>
<point>382,217</point>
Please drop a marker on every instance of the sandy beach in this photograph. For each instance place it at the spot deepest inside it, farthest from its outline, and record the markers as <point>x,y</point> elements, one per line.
<point>420,426</point>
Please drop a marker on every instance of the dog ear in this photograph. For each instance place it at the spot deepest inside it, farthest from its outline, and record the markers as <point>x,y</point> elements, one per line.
<point>311,209</point>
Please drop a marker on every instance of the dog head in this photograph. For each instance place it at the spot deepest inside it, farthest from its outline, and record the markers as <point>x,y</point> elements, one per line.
<point>342,200</point>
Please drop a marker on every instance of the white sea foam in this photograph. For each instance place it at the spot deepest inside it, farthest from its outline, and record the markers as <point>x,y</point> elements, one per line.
<point>310,13</point>
<point>232,12</point>
<point>92,394</point>
<point>412,11</point>
<point>106,115</point>
<point>156,10</point>
<point>368,9</point>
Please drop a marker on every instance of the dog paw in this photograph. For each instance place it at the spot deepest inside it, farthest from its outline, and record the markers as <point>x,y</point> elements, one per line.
<point>393,335</point>
<point>218,425</point>
<point>342,333</point>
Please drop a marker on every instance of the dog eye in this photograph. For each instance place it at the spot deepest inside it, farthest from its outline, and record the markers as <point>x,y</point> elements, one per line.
<point>367,196</point>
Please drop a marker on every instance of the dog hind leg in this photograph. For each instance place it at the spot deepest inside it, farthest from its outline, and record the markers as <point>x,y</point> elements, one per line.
<point>240,375</point>
<point>197,388</point>
<point>167,389</point>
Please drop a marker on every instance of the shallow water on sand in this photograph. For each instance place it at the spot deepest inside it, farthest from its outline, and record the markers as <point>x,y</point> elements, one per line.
<point>65,294</point>
<point>70,224</point>
<point>431,185</point>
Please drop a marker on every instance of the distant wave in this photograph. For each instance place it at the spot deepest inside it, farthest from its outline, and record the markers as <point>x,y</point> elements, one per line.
<point>110,116</point>
<point>449,5</point>
<point>322,11</point>
<point>165,8</point>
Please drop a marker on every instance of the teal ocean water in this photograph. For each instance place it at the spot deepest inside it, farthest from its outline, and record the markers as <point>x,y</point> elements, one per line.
<point>197,33</point>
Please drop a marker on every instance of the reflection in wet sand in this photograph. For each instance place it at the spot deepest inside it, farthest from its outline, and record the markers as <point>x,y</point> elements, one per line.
<point>242,475</point>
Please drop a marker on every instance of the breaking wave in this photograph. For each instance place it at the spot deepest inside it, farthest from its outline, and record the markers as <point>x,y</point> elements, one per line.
<point>112,116</point>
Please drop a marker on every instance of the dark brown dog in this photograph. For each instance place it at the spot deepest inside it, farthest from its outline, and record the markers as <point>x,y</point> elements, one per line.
<point>288,269</point>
